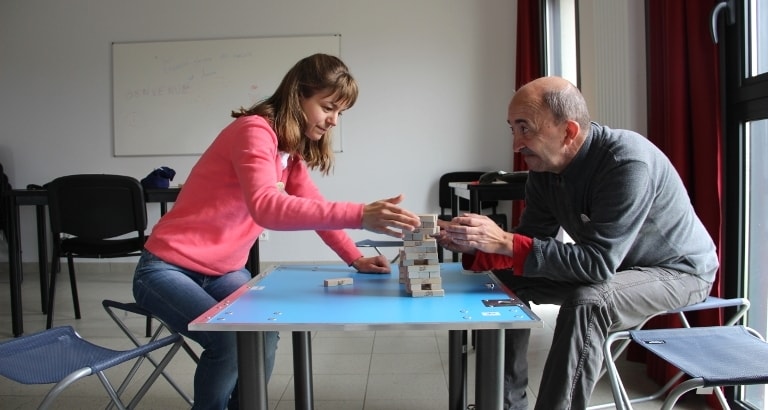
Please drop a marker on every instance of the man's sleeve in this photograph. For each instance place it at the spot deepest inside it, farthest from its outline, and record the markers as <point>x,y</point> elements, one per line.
<point>481,261</point>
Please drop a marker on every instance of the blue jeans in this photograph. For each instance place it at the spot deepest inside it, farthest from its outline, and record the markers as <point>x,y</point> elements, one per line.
<point>587,313</point>
<point>177,296</point>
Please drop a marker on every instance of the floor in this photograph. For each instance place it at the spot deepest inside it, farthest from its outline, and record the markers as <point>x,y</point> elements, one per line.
<point>352,370</point>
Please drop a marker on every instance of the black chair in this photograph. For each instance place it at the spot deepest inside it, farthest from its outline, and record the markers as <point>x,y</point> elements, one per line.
<point>445,194</point>
<point>5,206</point>
<point>93,216</point>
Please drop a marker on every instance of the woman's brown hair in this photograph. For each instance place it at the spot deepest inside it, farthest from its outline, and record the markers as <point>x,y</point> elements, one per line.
<point>318,73</point>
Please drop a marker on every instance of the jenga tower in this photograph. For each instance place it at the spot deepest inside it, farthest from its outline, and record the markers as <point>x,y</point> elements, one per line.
<point>419,267</point>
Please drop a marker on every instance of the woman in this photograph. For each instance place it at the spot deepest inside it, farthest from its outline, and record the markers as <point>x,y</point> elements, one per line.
<point>255,176</point>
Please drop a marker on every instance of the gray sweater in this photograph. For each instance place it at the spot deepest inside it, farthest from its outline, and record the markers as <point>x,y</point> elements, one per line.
<point>623,204</point>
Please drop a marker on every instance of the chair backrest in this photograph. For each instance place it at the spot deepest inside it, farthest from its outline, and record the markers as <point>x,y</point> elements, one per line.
<point>96,206</point>
<point>444,191</point>
<point>5,203</point>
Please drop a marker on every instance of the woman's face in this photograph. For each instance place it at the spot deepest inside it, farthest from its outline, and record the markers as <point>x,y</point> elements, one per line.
<point>322,111</point>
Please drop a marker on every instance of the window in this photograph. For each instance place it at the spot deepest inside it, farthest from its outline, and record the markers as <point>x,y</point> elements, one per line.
<point>744,62</point>
<point>561,39</point>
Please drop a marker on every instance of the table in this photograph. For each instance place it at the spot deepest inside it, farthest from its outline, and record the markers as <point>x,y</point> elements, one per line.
<point>293,298</point>
<point>39,199</point>
<point>477,193</point>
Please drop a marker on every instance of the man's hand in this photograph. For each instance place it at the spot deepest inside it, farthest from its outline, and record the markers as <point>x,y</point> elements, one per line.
<point>477,232</point>
<point>445,241</point>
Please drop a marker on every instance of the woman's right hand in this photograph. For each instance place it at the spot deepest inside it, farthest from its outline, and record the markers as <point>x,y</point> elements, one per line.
<point>385,216</point>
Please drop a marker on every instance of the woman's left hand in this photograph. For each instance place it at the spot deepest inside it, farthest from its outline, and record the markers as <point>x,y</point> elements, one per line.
<point>374,264</point>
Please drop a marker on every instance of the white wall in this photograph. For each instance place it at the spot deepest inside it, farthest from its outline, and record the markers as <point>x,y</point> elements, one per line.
<point>435,77</point>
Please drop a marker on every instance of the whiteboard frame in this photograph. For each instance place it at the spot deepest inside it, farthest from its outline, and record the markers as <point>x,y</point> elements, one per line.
<point>172,98</point>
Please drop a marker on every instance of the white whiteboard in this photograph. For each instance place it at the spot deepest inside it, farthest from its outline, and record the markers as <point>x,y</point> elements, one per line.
<point>173,98</point>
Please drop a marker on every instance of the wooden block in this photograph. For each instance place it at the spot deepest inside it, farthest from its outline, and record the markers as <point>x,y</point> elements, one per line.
<point>418,275</point>
<point>424,248</point>
<point>426,242</point>
<point>421,255</point>
<point>423,268</point>
<point>422,293</point>
<point>411,287</point>
<point>337,282</point>
<point>432,281</point>
<point>428,218</point>
<point>414,262</point>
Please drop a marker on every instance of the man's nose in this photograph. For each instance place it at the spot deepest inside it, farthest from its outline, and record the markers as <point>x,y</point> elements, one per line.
<point>517,144</point>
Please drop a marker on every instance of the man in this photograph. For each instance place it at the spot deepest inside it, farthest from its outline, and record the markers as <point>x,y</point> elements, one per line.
<point>638,247</point>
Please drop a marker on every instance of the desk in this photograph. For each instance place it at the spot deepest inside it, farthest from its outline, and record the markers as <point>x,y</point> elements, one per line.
<point>39,199</point>
<point>293,298</point>
<point>477,193</point>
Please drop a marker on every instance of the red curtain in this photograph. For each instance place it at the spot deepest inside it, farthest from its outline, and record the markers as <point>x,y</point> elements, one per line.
<point>684,117</point>
<point>528,67</point>
<point>683,114</point>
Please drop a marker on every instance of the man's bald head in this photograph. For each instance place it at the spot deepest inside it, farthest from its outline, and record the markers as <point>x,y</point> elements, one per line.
<point>558,96</point>
<point>549,122</point>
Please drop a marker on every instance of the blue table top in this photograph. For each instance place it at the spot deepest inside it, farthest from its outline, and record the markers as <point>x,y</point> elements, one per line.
<point>294,298</point>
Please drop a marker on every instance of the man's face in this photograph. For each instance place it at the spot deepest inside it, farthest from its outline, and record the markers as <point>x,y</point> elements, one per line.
<point>536,136</point>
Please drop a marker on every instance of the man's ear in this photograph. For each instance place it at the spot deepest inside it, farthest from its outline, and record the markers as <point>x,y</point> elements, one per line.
<point>572,130</point>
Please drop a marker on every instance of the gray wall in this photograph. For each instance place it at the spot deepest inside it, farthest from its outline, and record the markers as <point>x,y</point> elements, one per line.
<point>435,77</point>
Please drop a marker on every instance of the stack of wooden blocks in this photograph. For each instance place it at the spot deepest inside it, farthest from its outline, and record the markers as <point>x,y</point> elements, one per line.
<point>419,266</point>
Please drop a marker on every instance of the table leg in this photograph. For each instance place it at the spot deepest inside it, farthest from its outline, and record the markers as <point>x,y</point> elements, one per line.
<point>489,373</point>
<point>454,213</point>
<point>253,263</point>
<point>14,262</point>
<point>252,376</point>
<point>474,202</point>
<point>457,370</point>
<point>42,255</point>
<point>302,370</point>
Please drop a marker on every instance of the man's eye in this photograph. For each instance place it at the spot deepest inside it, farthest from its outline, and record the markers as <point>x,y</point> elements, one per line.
<point>522,130</point>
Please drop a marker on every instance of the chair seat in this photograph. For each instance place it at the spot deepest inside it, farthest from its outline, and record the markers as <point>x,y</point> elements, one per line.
<point>610,353</point>
<point>59,355</point>
<point>49,356</point>
<point>719,355</point>
<point>112,248</point>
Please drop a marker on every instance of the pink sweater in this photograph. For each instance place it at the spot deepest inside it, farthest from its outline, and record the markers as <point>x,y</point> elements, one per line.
<point>234,192</point>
